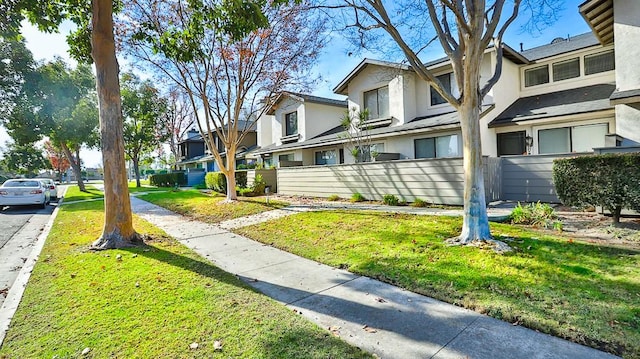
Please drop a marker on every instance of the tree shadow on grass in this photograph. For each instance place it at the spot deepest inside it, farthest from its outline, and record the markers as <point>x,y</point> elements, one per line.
<point>287,342</point>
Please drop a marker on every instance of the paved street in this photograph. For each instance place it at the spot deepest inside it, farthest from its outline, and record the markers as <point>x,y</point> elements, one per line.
<point>19,229</point>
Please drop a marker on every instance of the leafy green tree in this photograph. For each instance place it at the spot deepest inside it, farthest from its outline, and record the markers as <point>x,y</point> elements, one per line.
<point>17,69</point>
<point>94,41</point>
<point>68,110</point>
<point>24,159</point>
<point>143,110</point>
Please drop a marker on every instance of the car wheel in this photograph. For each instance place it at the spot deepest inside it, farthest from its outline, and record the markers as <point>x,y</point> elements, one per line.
<point>43,205</point>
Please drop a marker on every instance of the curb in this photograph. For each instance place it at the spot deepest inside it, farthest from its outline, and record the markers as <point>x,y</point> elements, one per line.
<point>14,296</point>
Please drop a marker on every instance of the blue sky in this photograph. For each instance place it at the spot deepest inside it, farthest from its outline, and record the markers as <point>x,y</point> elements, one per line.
<point>334,64</point>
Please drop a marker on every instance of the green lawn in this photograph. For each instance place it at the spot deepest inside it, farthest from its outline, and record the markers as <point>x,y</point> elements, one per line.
<point>210,207</point>
<point>74,194</point>
<point>149,302</point>
<point>586,293</point>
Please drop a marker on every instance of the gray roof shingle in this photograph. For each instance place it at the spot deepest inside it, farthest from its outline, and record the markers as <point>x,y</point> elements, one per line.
<point>560,47</point>
<point>561,103</point>
<point>335,135</point>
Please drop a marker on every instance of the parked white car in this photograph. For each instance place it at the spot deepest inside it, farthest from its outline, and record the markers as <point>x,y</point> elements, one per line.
<point>53,188</point>
<point>24,192</point>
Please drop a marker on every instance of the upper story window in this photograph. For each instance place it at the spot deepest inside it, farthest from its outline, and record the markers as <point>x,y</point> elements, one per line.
<point>436,98</point>
<point>437,147</point>
<point>568,69</point>
<point>291,124</point>
<point>377,102</point>
<point>600,62</point>
<point>536,76</point>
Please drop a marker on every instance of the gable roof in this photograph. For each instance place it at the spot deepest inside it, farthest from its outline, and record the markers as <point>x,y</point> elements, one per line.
<point>561,46</point>
<point>336,136</point>
<point>341,88</point>
<point>306,98</point>
<point>562,103</point>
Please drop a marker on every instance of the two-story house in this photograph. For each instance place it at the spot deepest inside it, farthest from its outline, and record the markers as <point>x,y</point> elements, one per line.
<point>194,153</point>
<point>191,150</point>
<point>550,99</point>
<point>292,129</point>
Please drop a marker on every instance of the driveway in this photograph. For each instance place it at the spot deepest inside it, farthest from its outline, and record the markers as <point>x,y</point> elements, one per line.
<point>19,230</point>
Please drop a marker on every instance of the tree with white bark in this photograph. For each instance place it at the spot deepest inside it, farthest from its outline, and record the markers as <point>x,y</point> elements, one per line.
<point>466,30</point>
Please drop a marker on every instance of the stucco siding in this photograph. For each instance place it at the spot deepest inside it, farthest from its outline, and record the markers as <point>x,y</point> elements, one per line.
<point>320,118</point>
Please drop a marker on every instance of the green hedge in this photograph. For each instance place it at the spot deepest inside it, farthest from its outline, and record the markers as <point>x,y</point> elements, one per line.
<point>609,180</point>
<point>217,181</point>
<point>168,179</point>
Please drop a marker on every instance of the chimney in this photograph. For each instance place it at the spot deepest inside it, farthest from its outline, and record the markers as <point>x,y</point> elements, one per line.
<point>521,48</point>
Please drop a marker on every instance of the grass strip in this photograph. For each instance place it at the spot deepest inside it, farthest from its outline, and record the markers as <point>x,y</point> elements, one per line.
<point>73,193</point>
<point>210,208</point>
<point>153,301</point>
<point>586,293</point>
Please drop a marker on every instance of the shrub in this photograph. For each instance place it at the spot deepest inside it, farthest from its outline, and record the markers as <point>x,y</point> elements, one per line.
<point>357,197</point>
<point>168,179</point>
<point>537,214</point>
<point>241,178</point>
<point>216,181</point>
<point>258,185</point>
<point>390,200</point>
<point>245,192</point>
<point>333,197</point>
<point>609,180</point>
<point>419,203</point>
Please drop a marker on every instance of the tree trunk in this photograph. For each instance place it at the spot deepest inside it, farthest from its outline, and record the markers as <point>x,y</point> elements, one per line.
<point>75,165</point>
<point>231,175</point>
<point>615,213</point>
<point>136,169</point>
<point>118,220</point>
<point>475,223</point>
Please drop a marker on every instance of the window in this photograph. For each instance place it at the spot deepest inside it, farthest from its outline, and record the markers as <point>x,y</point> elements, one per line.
<point>287,157</point>
<point>437,147</point>
<point>436,98</point>
<point>586,138</point>
<point>511,143</point>
<point>572,139</point>
<point>601,62</point>
<point>566,69</point>
<point>554,140</point>
<point>367,152</point>
<point>536,76</point>
<point>326,157</point>
<point>291,123</point>
<point>377,102</point>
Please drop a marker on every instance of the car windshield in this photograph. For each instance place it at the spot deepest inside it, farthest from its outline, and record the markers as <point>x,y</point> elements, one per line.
<point>21,184</point>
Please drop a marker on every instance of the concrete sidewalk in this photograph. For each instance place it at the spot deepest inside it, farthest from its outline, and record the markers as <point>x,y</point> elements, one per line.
<point>377,317</point>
